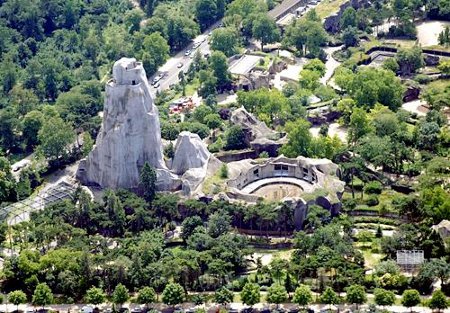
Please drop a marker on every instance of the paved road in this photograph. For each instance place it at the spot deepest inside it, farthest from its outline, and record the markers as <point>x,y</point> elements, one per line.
<point>171,68</point>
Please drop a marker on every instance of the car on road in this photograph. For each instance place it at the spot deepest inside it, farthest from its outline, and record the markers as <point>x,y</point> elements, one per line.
<point>180,65</point>
<point>156,79</point>
<point>187,53</point>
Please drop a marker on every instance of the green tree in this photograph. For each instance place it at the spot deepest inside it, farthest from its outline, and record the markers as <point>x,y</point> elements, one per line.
<point>95,296</point>
<point>250,294</point>
<point>17,297</point>
<point>213,120</point>
<point>219,223</point>
<point>348,18</point>
<point>42,295</point>
<point>276,294</point>
<point>265,30</point>
<point>410,298</point>
<point>444,67</point>
<point>302,295</point>
<point>438,301</point>
<point>356,295</point>
<point>391,64</point>
<point>359,125</point>
<point>201,112</point>
<point>299,139</point>
<point>225,39</point>
<point>410,60</point>
<point>148,182</point>
<point>329,296</point>
<point>133,20</point>
<point>120,295</point>
<point>219,65</point>
<point>350,36</point>
<point>309,79</point>
<point>371,85</point>
<point>9,76</point>
<point>268,105</point>
<point>235,138</point>
<point>156,46</point>
<point>55,137</point>
<point>146,296</point>
<point>208,83</point>
<point>189,225</point>
<point>384,297</point>
<point>180,30</point>
<point>173,294</point>
<point>205,12</point>
<point>316,65</point>
<point>223,296</point>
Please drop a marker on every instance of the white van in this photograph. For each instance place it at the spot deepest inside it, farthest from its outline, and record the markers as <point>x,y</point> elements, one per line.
<point>87,309</point>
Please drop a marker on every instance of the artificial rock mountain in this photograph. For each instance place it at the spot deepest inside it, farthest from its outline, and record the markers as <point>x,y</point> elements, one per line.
<point>130,134</point>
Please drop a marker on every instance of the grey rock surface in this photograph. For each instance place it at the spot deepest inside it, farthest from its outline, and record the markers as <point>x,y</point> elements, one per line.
<point>130,134</point>
<point>190,153</point>
<point>259,136</point>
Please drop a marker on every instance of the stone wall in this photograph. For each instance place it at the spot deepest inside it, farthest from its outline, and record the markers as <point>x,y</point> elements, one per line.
<point>267,170</point>
<point>320,183</point>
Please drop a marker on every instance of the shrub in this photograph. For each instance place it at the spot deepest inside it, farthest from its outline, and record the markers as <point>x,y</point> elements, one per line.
<point>372,200</point>
<point>349,204</point>
<point>422,79</point>
<point>325,93</point>
<point>224,171</point>
<point>373,187</point>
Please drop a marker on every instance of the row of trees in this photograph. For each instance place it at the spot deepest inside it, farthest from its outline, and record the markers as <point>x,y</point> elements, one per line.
<point>174,294</point>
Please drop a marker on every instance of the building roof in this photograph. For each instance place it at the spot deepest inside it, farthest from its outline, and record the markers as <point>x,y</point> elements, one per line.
<point>286,6</point>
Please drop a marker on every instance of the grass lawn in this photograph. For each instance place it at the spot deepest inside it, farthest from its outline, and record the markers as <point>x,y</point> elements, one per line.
<point>370,259</point>
<point>385,200</point>
<point>191,88</point>
<point>328,7</point>
<point>439,84</point>
<point>212,182</point>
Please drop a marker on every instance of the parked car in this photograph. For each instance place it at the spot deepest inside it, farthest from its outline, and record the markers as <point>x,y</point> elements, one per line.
<point>136,310</point>
<point>180,65</point>
<point>156,85</point>
<point>196,45</point>
<point>187,53</point>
